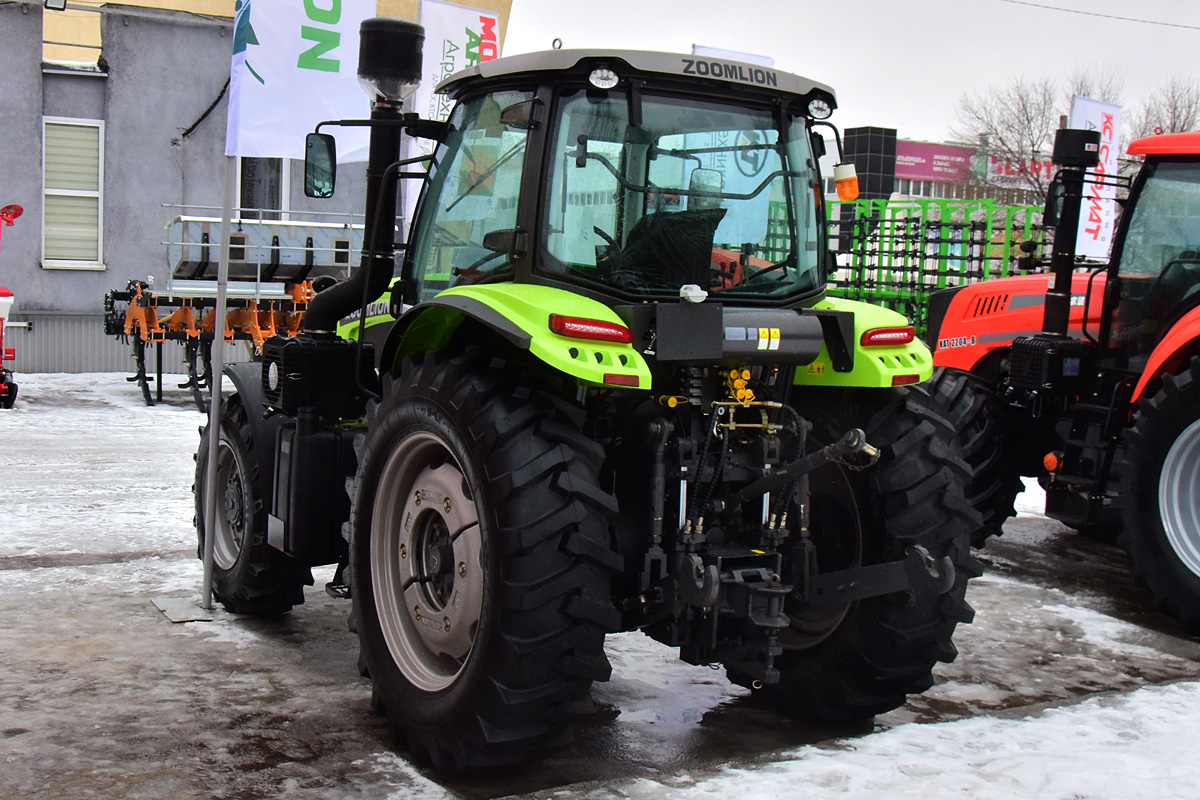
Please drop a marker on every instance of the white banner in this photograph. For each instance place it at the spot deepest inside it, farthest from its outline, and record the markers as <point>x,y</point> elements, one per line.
<point>456,37</point>
<point>1099,212</point>
<point>294,65</point>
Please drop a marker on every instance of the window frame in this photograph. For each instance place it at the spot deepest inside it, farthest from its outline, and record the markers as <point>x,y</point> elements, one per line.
<point>76,264</point>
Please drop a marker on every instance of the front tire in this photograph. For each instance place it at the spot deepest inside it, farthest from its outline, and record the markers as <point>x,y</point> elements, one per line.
<point>249,576</point>
<point>865,658</point>
<point>480,563</point>
<point>1160,496</point>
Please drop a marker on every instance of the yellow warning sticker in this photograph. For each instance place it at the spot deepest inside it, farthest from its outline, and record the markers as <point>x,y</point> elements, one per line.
<point>764,338</point>
<point>816,368</point>
<point>775,335</point>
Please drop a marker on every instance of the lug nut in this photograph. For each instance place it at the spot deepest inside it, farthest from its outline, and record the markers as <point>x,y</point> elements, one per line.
<point>446,505</point>
<point>417,612</point>
<point>462,569</point>
<point>403,550</point>
<point>446,624</point>
<point>417,498</point>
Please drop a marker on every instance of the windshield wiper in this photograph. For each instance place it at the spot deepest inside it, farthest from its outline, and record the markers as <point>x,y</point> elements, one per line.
<point>488,173</point>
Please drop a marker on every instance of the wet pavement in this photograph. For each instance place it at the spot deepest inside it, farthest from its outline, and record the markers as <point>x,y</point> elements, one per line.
<point>101,696</point>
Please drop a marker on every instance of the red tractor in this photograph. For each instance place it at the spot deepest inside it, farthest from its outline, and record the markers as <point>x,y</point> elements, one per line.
<point>8,387</point>
<point>1097,373</point>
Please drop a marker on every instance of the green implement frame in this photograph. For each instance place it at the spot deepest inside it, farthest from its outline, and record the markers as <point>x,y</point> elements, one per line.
<point>895,253</point>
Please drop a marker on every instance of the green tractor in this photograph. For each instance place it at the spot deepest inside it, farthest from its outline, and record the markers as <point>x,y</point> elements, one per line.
<point>610,394</point>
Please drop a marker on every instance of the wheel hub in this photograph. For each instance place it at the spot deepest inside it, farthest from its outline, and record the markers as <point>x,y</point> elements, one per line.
<point>426,563</point>
<point>229,529</point>
<point>1179,497</point>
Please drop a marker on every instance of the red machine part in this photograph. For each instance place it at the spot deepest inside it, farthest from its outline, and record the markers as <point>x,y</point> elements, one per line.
<point>1171,354</point>
<point>8,388</point>
<point>6,299</point>
<point>984,318</point>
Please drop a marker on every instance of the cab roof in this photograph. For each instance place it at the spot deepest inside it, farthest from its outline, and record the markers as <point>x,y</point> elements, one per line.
<point>1167,144</point>
<point>699,68</point>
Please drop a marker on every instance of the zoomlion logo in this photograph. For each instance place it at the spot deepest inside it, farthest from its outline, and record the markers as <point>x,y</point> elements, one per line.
<point>243,34</point>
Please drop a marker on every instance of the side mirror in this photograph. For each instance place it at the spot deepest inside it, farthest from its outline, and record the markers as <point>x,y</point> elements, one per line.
<point>320,165</point>
<point>1054,201</point>
<point>818,144</point>
<point>707,183</point>
<point>520,115</point>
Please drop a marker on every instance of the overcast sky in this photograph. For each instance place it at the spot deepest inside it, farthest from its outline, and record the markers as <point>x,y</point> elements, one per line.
<point>893,63</point>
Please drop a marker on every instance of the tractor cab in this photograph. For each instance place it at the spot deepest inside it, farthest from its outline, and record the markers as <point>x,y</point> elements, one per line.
<point>621,174</point>
<point>1157,255</point>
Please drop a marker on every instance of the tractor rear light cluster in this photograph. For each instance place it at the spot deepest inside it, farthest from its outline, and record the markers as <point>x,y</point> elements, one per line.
<point>905,380</point>
<point>594,329</point>
<point>886,337</point>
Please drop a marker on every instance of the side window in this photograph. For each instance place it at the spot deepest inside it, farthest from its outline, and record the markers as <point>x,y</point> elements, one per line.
<point>586,201</point>
<point>1160,258</point>
<point>474,189</point>
<point>73,188</point>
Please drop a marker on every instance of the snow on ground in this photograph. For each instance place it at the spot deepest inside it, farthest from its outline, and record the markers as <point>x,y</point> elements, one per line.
<point>1129,747</point>
<point>120,473</point>
<point>85,468</point>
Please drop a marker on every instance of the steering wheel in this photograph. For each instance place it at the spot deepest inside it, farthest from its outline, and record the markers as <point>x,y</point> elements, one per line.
<point>471,273</point>
<point>610,241</point>
<point>1188,261</point>
<point>769,268</point>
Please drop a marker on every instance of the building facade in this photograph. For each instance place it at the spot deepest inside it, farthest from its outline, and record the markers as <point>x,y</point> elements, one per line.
<point>105,140</point>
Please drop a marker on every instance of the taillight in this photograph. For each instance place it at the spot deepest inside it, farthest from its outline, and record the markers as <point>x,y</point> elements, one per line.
<point>599,330</point>
<point>882,337</point>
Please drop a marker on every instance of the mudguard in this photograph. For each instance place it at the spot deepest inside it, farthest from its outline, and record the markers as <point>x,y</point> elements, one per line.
<point>520,313</point>
<point>982,318</point>
<point>872,367</point>
<point>1171,354</point>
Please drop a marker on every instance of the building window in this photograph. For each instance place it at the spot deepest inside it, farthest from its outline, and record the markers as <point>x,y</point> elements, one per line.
<point>73,184</point>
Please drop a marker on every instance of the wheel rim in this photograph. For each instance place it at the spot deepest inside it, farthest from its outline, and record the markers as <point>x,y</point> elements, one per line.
<point>1179,497</point>
<point>426,565</point>
<point>230,529</point>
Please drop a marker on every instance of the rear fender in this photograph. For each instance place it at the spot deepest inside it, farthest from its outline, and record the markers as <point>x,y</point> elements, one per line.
<point>872,367</point>
<point>521,313</point>
<point>1171,354</point>
<point>982,318</point>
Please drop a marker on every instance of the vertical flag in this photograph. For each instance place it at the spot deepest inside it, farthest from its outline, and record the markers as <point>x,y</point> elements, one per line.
<point>456,37</point>
<point>1098,214</point>
<point>294,65</point>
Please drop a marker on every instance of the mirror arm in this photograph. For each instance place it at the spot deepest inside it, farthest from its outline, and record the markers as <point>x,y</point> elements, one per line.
<point>412,124</point>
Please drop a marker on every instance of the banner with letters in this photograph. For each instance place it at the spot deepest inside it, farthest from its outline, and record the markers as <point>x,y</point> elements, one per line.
<point>1098,215</point>
<point>456,37</point>
<point>295,64</point>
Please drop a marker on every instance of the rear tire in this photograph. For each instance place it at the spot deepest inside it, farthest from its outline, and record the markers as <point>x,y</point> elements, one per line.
<point>865,658</point>
<point>1160,496</point>
<point>480,562</point>
<point>249,576</point>
<point>979,421</point>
